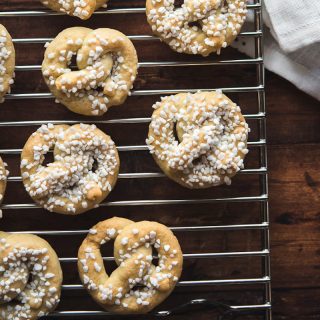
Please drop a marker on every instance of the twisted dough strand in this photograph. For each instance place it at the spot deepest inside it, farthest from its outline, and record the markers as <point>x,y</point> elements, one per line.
<point>198,26</point>
<point>31,277</point>
<point>7,62</point>
<point>3,180</point>
<point>107,63</point>
<point>82,9</point>
<point>84,171</point>
<point>133,243</point>
<point>212,138</point>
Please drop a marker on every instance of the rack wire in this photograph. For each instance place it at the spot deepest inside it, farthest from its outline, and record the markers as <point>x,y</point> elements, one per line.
<point>262,171</point>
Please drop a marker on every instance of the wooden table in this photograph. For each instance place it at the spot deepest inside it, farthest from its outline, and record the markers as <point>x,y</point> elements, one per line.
<point>293,138</point>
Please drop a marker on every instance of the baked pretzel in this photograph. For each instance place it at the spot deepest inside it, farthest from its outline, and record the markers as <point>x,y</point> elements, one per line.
<point>133,255</point>
<point>3,180</point>
<point>107,63</point>
<point>7,62</point>
<point>211,138</point>
<point>198,26</point>
<point>82,9</point>
<point>31,277</point>
<point>84,171</point>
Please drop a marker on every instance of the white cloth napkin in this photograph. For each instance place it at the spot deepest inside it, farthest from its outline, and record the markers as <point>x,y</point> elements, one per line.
<point>291,41</point>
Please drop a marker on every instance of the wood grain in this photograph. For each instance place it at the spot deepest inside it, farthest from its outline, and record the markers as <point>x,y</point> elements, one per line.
<point>294,180</point>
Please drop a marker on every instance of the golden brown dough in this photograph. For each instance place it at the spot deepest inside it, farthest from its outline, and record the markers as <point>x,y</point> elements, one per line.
<point>82,9</point>
<point>107,63</point>
<point>198,26</point>
<point>133,244</point>
<point>84,171</point>
<point>31,277</point>
<point>7,62</point>
<point>3,180</point>
<point>212,138</point>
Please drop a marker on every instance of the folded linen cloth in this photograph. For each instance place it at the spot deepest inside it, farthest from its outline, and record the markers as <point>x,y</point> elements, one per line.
<point>291,41</point>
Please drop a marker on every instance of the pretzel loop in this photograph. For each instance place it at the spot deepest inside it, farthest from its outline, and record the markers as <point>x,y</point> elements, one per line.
<point>83,173</point>
<point>198,26</point>
<point>7,62</point>
<point>31,277</point>
<point>3,179</point>
<point>211,140</point>
<point>137,285</point>
<point>107,63</point>
<point>82,9</point>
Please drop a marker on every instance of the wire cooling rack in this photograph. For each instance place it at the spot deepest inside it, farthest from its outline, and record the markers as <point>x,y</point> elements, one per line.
<point>264,305</point>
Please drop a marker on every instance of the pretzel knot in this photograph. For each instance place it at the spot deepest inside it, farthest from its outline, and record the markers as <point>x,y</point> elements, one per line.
<point>198,26</point>
<point>77,8</point>
<point>107,63</point>
<point>211,138</point>
<point>3,179</point>
<point>7,62</point>
<point>31,277</point>
<point>83,173</point>
<point>137,285</point>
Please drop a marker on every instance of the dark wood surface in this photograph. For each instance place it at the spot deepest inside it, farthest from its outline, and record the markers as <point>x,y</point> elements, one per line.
<point>294,179</point>
<point>294,136</point>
